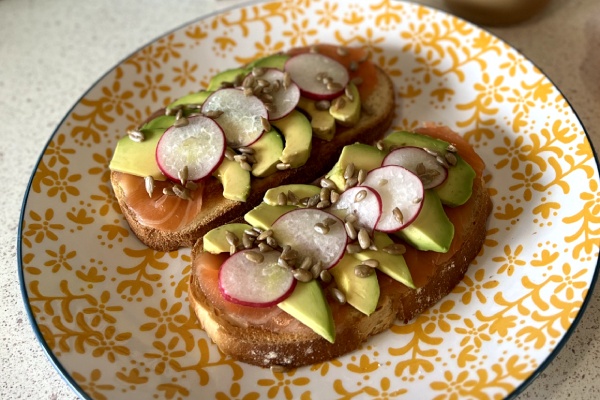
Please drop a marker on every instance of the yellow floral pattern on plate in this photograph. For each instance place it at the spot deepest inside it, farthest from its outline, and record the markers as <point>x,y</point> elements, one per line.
<point>114,313</point>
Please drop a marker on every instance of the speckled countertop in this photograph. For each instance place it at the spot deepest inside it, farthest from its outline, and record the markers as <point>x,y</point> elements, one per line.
<point>52,51</point>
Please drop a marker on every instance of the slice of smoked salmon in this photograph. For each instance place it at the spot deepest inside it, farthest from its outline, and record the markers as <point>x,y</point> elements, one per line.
<point>160,211</point>
<point>423,264</point>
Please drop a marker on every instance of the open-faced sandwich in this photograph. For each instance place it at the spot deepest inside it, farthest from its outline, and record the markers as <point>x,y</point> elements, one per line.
<point>314,271</point>
<point>210,156</point>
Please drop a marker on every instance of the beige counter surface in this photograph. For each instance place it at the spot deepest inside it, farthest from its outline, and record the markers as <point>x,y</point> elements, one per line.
<point>51,52</point>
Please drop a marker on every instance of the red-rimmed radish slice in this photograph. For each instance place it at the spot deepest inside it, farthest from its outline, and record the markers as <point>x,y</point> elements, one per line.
<point>401,194</point>
<point>301,229</point>
<point>285,99</point>
<point>318,76</point>
<point>362,201</point>
<point>263,283</point>
<point>198,147</point>
<point>420,163</point>
<point>242,116</point>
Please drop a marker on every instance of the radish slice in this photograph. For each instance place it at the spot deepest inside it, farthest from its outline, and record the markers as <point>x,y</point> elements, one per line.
<point>198,147</point>
<point>298,228</point>
<point>318,76</point>
<point>362,201</point>
<point>242,116</point>
<point>255,284</point>
<point>401,194</point>
<point>419,162</point>
<point>284,99</point>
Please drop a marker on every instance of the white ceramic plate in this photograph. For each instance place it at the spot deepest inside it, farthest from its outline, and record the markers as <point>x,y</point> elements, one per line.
<point>113,316</point>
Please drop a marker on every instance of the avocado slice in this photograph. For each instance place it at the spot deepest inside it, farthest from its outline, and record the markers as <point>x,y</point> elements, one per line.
<point>138,158</point>
<point>228,75</point>
<point>192,98</point>
<point>263,215</point>
<point>393,265</point>
<point>361,155</point>
<point>431,230</point>
<point>299,190</point>
<point>361,293</point>
<point>308,304</point>
<point>458,186</point>
<point>235,180</point>
<point>267,151</point>
<point>349,113</point>
<point>297,133</point>
<point>321,121</point>
<point>163,122</point>
<point>271,61</point>
<point>215,241</point>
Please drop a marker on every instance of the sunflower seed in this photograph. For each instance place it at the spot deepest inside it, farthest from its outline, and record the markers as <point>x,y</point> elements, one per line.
<point>323,204</point>
<point>351,230</point>
<point>265,234</point>
<point>325,276</point>
<point>229,154</point>
<point>351,182</point>
<point>248,91</point>
<point>254,256</point>
<point>302,275</point>
<point>213,113</point>
<point>182,174</point>
<point>431,151</point>
<point>362,175</point>
<point>306,263</point>
<point>349,171</point>
<point>264,248</point>
<point>322,105</point>
<point>246,150</point>
<point>353,248</point>
<point>246,165</point>
<point>304,201</point>
<point>360,196</point>
<point>395,249</point>
<point>283,166</point>
<point>313,201</point>
<point>379,144</point>
<point>363,271</point>
<point>451,148</point>
<point>283,263</point>
<point>232,238</point>
<point>383,182</point>
<point>338,102</point>
<point>451,158</point>
<point>334,86</point>
<point>329,221</point>
<point>287,80</point>
<point>266,95</point>
<point>272,242</point>
<point>287,253</point>
<point>251,232</point>
<point>258,71</point>
<point>265,124</point>
<point>316,269</point>
<point>181,192</point>
<point>351,217</point>
<point>183,121</point>
<point>398,215</point>
<point>292,198</point>
<point>232,250</point>
<point>417,200</point>
<point>442,161</point>
<point>149,184</point>
<point>168,191</point>
<point>136,136</point>
<point>328,183</point>
<point>348,93</point>
<point>282,199</point>
<point>371,262</point>
<point>334,197</point>
<point>338,295</point>
<point>322,76</point>
<point>364,240</point>
<point>240,157</point>
<point>247,241</point>
<point>325,194</point>
<point>321,228</point>
<point>262,83</point>
<point>249,81</point>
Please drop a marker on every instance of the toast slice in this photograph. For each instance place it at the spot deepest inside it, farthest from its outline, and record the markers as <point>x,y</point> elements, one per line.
<point>276,342</point>
<point>375,118</point>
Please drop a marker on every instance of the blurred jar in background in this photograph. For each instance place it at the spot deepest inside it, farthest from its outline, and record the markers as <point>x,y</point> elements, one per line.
<point>495,12</point>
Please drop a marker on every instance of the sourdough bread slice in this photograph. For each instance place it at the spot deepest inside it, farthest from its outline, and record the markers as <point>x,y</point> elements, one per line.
<point>376,117</point>
<point>267,347</point>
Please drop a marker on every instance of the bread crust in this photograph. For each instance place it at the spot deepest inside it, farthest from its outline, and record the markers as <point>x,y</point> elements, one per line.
<point>265,348</point>
<point>376,117</point>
